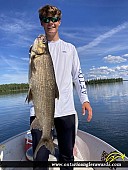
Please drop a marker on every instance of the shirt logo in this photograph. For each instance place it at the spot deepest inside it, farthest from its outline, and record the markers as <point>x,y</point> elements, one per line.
<point>64,51</point>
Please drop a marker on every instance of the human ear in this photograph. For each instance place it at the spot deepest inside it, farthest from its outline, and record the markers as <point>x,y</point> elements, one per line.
<point>59,23</point>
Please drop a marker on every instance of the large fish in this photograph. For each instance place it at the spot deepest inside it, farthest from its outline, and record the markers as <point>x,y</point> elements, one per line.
<point>42,91</point>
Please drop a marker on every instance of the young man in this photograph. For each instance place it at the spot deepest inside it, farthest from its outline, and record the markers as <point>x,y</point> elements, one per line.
<point>67,70</point>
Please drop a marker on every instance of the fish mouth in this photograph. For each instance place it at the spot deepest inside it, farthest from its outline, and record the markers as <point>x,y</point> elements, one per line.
<point>42,39</point>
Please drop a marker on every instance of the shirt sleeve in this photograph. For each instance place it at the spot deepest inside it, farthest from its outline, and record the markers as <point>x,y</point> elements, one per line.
<point>78,78</point>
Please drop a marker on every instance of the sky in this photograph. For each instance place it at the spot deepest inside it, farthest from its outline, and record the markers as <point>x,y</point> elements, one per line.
<point>97,28</point>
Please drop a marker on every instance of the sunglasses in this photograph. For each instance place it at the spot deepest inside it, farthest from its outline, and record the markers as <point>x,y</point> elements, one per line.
<point>48,19</point>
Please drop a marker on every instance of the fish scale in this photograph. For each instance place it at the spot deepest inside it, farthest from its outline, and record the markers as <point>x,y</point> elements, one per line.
<point>42,91</point>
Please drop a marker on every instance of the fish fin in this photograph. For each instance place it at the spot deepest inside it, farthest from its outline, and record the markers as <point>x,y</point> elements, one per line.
<point>48,144</point>
<point>31,62</point>
<point>56,92</point>
<point>32,68</point>
<point>29,96</point>
<point>35,124</point>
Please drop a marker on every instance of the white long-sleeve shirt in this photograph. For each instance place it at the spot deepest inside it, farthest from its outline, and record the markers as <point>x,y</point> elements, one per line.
<point>67,70</point>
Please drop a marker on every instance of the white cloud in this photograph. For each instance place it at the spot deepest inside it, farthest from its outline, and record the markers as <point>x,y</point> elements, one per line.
<point>125,55</point>
<point>17,24</point>
<point>122,68</point>
<point>114,59</point>
<point>16,69</point>
<point>14,64</point>
<point>17,30</point>
<point>25,59</point>
<point>13,78</point>
<point>106,72</point>
<point>104,36</point>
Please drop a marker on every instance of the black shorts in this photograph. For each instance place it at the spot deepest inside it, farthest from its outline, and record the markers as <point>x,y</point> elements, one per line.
<point>65,129</point>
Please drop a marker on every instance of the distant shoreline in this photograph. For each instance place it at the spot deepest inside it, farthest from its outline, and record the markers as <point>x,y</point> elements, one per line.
<point>13,88</point>
<point>101,81</point>
<point>23,87</point>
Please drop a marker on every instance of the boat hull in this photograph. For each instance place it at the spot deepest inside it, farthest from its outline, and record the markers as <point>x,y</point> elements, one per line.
<point>89,148</point>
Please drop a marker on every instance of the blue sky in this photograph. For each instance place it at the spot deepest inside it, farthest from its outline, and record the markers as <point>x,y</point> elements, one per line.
<point>98,29</point>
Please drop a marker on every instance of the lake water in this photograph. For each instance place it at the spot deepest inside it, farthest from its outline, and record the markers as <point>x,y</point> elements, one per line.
<point>110,114</point>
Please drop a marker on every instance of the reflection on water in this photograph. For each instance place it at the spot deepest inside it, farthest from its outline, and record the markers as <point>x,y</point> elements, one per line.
<point>14,114</point>
<point>108,90</point>
<point>110,114</point>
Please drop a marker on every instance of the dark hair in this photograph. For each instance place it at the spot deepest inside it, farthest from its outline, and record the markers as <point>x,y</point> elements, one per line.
<point>49,10</point>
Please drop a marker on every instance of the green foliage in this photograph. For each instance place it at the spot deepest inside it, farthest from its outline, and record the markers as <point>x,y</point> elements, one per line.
<point>10,88</point>
<point>99,81</point>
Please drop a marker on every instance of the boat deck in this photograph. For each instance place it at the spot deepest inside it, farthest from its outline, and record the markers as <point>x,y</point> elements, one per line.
<point>77,157</point>
<point>89,148</point>
<point>14,150</point>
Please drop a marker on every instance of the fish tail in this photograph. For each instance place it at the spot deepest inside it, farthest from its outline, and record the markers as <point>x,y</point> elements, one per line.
<point>48,144</point>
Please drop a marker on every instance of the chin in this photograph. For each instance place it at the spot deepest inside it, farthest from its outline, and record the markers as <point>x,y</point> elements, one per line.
<point>51,32</point>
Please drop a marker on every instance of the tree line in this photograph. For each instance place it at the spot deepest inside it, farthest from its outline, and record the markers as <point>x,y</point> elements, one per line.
<point>99,81</point>
<point>14,87</point>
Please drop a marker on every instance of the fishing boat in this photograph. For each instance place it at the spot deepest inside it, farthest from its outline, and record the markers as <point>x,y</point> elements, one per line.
<point>90,150</point>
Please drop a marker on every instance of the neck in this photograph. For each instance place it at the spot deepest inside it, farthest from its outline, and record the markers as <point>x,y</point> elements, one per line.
<point>52,37</point>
